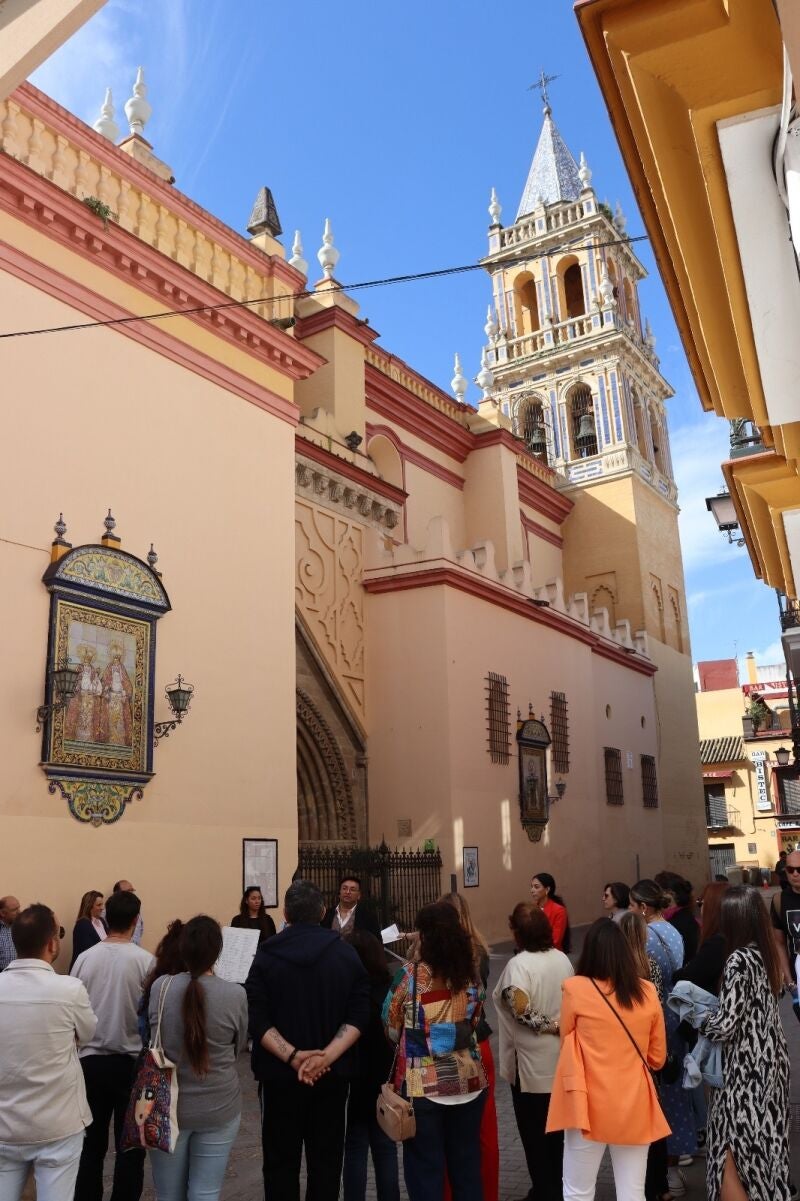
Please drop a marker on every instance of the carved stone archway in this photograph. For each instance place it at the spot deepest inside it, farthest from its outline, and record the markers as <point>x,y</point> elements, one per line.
<point>331,764</point>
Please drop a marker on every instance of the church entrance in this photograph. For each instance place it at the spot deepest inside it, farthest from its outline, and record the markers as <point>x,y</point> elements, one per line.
<point>331,759</point>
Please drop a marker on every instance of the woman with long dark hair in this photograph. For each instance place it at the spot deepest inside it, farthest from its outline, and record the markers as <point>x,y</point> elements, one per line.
<point>612,1033</point>
<point>528,1004</point>
<point>705,968</point>
<point>748,1138</point>
<point>431,1013</point>
<point>89,928</point>
<point>375,1055</point>
<point>203,1028</point>
<point>169,962</point>
<point>544,895</point>
<point>252,915</point>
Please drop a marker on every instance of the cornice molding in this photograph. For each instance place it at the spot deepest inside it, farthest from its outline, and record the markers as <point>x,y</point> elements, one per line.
<point>522,606</point>
<point>415,457</point>
<point>146,333</point>
<point>335,318</point>
<point>543,497</point>
<point>391,400</point>
<point>540,531</point>
<point>351,471</point>
<point>44,206</point>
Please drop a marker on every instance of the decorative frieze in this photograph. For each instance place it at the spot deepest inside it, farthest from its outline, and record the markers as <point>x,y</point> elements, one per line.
<point>336,492</point>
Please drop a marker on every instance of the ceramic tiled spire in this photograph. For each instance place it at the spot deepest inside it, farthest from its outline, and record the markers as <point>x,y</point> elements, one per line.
<point>554,174</point>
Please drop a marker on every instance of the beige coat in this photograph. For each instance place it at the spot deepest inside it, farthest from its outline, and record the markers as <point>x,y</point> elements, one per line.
<point>539,974</point>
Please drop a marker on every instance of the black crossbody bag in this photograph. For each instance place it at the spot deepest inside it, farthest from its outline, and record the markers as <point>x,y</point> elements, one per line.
<point>653,1075</point>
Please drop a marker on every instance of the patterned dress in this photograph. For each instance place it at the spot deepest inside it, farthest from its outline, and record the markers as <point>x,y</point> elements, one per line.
<point>749,1114</point>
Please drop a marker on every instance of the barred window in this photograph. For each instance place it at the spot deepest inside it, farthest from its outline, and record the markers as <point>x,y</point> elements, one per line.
<point>559,732</point>
<point>613,759</point>
<point>498,719</point>
<point>649,782</point>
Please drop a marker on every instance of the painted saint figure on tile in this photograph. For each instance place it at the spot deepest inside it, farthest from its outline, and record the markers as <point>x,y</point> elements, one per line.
<point>115,727</point>
<point>83,718</point>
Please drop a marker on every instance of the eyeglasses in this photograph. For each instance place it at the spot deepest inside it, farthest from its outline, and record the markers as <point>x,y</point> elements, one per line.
<point>793,870</point>
<point>61,931</point>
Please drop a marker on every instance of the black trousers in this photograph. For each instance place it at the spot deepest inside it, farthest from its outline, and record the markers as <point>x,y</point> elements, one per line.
<point>655,1181</point>
<point>544,1153</point>
<point>109,1081</point>
<point>294,1115</point>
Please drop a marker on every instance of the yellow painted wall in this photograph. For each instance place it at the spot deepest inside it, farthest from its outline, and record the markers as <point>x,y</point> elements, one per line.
<point>99,421</point>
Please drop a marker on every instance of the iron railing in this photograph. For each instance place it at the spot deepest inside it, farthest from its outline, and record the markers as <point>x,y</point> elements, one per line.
<point>396,883</point>
<point>720,816</point>
<point>790,613</point>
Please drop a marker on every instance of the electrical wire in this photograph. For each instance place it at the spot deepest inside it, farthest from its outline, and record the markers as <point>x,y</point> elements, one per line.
<point>336,287</point>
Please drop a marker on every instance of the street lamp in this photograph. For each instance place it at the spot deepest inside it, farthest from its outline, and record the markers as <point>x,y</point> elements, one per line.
<point>179,697</point>
<point>722,509</point>
<point>782,756</point>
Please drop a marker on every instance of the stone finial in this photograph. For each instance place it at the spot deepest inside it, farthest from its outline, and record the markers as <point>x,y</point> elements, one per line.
<point>491,328</point>
<point>649,336</point>
<point>458,383</point>
<point>60,526</point>
<point>109,538</point>
<point>619,218</point>
<point>59,546</point>
<point>264,217</point>
<point>297,261</point>
<point>328,255</point>
<point>485,379</point>
<point>495,208</point>
<point>606,288</point>
<point>584,172</point>
<point>137,109</point>
<point>152,557</point>
<point>105,123</point>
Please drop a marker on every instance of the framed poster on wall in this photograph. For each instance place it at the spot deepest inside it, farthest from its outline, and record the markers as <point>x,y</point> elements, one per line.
<point>471,874</point>
<point>260,867</point>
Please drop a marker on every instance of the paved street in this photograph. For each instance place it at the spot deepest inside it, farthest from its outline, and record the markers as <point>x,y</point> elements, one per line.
<point>244,1183</point>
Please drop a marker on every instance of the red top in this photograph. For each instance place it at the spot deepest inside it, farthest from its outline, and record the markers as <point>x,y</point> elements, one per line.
<point>557,917</point>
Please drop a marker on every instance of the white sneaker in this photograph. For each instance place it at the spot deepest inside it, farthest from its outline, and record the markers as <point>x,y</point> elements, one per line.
<point>685,1160</point>
<point>676,1182</point>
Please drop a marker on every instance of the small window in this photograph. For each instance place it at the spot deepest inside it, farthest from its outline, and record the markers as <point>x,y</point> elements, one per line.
<point>613,759</point>
<point>559,732</point>
<point>498,718</point>
<point>649,782</point>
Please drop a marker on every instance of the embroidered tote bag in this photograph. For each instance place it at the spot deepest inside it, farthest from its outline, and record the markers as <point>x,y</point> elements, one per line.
<point>152,1116</point>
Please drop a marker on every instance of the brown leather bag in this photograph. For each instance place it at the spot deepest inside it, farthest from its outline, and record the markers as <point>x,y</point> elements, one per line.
<point>395,1114</point>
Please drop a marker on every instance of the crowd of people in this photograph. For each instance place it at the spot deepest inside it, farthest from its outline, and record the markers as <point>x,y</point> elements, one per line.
<point>661,1042</point>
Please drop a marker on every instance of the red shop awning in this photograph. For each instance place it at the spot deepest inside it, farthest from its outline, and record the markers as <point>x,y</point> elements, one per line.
<point>717,775</point>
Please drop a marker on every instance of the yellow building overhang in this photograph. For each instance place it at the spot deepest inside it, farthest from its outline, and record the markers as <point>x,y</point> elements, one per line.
<point>763,488</point>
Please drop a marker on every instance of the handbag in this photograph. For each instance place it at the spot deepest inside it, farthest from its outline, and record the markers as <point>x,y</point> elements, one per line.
<point>630,1036</point>
<point>151,1119</point>
<point>395,1114</point>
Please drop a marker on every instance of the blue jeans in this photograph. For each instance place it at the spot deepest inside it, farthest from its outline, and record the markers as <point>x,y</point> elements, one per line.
<point>365,1135</point>
<point>196,1168</point>
<point>447,1136</point>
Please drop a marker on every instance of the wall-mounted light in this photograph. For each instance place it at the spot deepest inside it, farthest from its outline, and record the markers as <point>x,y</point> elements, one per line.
<point>782,756</point>
<point>722,510</point>
<point>63,680</point>
<point>179,697</point>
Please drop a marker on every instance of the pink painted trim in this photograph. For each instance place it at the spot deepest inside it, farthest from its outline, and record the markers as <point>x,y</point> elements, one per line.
<point>392,401</point>
<point>350,470</point>
<point>540,531</point>
<point>40,203</point>
<point>146,333</point>
<point>542,497</point>
<point>415,457</point>
<point>48,110</point>
<point>504,437</point>
<point>335,318</point>
<point>495,594</point>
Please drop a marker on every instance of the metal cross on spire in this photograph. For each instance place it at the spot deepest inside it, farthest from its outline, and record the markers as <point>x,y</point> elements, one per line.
<point>541,86</point>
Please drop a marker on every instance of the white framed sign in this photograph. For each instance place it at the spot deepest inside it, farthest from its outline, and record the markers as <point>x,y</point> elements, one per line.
<point>260,868</point>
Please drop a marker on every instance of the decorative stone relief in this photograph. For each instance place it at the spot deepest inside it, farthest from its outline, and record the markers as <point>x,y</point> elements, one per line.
<point>337,492</point>
<point>328,592</point>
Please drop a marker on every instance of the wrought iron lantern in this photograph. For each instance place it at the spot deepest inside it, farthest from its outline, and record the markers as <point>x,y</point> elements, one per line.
<point>63,680</point>
<point>782,756</point>
<point>722,509</point>
<point>179,697</point>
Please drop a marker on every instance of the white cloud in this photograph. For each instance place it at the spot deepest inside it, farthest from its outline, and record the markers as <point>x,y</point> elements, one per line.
<point>698,449</point>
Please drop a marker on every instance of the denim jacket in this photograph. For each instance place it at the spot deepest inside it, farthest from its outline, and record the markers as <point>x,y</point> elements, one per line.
<point>693,1004</point>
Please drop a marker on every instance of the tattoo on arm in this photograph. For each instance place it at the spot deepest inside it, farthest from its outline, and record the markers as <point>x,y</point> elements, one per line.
<point>340,1033</point>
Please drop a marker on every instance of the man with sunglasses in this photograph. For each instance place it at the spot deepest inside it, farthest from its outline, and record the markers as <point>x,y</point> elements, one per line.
<point>785,914</point>
<point>44,1018</point>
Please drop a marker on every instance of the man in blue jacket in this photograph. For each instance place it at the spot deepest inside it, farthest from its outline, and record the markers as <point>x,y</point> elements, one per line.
<point>309,1003</point>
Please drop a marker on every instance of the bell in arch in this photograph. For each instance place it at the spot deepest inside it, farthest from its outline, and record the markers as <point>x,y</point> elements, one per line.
<point>537,443</point>
<point>585,428</point>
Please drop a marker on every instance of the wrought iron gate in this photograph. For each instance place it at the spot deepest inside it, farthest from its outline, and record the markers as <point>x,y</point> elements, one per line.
<point>396,883</point>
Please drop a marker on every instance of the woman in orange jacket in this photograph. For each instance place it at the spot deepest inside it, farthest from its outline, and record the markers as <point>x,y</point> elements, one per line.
<point>612,1034</point>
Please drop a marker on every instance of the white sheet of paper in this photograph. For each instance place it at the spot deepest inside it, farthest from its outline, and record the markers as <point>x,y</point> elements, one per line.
<point>390,934</point>
<point>238,952</point>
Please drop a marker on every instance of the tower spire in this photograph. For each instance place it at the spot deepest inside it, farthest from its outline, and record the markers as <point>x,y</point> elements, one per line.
<point>554,175</point>
<point>541,86</point>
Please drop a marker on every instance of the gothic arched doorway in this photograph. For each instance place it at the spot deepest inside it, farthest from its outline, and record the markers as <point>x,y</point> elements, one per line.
<point>331,764</point>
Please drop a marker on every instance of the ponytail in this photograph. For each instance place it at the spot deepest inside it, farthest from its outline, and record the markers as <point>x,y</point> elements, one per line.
<point>200,946</point>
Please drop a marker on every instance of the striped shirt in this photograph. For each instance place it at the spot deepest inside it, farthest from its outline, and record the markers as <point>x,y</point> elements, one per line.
<point>7,949</point>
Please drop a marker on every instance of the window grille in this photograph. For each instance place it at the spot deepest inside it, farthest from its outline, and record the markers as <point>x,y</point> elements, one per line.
<point>498,717</point>
<point>559,732</point>
<point>649,782</point>
<point>584,430</point>
<point>533,429</point>
<point>613,759</point>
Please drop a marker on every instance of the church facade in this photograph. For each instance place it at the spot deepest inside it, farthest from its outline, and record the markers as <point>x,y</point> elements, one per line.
<point>404,618</point>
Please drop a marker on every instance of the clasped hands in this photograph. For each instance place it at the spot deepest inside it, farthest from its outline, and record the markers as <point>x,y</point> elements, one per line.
<point>310,1065</point>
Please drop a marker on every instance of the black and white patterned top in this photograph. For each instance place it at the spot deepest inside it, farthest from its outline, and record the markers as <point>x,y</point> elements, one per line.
<point>749,1115</point>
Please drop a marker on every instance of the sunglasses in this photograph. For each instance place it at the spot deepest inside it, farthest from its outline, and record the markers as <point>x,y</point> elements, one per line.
<point>792,870</point>
<point>61,932</point>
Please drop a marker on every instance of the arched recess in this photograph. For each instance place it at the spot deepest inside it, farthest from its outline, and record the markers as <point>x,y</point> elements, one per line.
<point>582,425</point>
<point>638,417</point>
<point>530,426</point>
<point>570,288</point>
<point>677,631</point>
<point>658,601</point>
<point>630,307</point>
<point>612,275</point>
<point>386,457</point>
<point>603,598</point>
<point>331,760</point>
<point>526,304</point>
<point>655,434</point>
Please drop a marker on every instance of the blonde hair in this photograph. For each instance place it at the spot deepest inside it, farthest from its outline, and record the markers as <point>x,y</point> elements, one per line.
<point>461,907</point>
<point>634,927</point>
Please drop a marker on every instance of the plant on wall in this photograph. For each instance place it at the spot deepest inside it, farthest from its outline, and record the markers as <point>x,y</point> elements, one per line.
<point>757,711</point>
<point>101,210</point>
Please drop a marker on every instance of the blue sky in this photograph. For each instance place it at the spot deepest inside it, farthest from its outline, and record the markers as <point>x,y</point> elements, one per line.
<point>395,121</point>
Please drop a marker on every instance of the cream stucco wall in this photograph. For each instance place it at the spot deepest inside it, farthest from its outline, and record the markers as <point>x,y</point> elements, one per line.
<point>93,420</point>
<point>429,652</point>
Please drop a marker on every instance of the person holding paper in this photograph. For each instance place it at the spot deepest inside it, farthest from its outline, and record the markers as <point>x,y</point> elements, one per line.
<point>351,913</point>
<point>252,915</point>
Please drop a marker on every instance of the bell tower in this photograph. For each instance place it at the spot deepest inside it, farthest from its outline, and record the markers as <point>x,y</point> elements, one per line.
<point>575,374</point>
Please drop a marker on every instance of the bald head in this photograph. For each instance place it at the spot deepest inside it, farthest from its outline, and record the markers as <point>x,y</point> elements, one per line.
<point>9,908</point>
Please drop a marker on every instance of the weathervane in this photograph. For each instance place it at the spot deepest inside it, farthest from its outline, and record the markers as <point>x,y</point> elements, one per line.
<point>541,86</point>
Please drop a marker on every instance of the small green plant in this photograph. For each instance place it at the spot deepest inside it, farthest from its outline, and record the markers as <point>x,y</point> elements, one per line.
<point>758,712</point>
<point>605,209</point>
<point>103,211</point>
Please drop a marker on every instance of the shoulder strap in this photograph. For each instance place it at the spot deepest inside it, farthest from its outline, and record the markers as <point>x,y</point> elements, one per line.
<point>622,1024</point>
<point>666,947</point>
<point>162,996</point>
